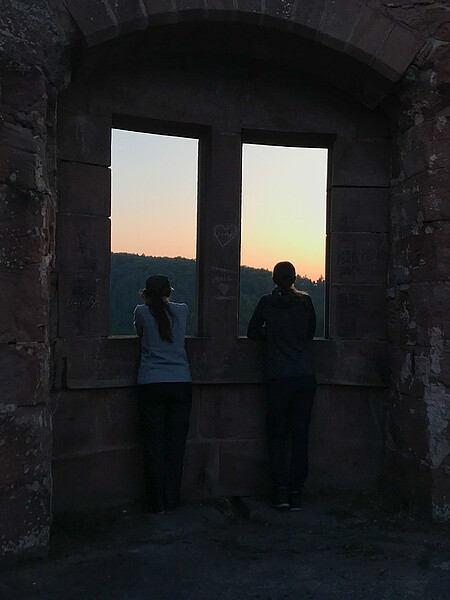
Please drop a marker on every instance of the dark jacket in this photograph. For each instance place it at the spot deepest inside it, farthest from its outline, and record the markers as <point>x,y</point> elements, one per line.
<point>287,322</point>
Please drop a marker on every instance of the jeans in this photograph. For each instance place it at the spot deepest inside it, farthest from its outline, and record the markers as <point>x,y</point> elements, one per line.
<point>290,401</point>
<point>164,409</point>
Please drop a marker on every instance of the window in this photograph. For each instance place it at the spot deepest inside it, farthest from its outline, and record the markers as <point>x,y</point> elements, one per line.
<point>153,220</point>
<point>284,192</point>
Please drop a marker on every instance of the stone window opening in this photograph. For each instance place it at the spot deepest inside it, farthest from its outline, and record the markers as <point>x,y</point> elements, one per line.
<point>284,214</point>
<point>153,219</point>
<point>220,158</point>
<point>227,369</point>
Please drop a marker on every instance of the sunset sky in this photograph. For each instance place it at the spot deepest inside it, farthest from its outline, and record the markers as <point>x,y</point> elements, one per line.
<point>154,201</point>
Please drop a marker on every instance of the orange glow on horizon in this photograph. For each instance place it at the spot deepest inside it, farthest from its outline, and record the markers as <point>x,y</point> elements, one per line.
<point>154,201</point>
<point>284,208</point>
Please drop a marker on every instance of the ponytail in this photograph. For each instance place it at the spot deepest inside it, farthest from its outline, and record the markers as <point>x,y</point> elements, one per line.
<point>160,309</point>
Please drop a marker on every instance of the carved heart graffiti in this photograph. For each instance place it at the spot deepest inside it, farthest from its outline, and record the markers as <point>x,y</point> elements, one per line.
<point>223,287</point>
<point>224,235</point>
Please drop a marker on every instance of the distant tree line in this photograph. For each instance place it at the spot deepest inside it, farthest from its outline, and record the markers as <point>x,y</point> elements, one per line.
<point>130,271</point>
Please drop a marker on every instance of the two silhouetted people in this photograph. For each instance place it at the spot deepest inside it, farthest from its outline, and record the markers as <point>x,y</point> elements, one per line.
<point>286,320</point>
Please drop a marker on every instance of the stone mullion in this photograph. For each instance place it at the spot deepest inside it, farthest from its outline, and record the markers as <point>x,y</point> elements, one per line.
<point>219,229</point>
<point>83,224</point>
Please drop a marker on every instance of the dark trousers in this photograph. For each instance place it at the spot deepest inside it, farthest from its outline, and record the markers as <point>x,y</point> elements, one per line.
<point>165,409</point>
<point>289,405</point>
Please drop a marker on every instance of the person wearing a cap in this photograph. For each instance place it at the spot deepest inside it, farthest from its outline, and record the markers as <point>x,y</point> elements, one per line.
<point>286,320</point>
<point>165,391</point>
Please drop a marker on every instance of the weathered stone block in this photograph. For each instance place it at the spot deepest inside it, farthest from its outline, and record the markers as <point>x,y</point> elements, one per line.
<point>161,11</point>
<point>25,479</point>
<point>25,89</point>
<point>25,435</point>
<point>200,471</point>
<point>22,157</point>
<point>358,312</point>
<point>220,6</point>
<point>425,251</point>
<point>407,426</point>
<point>91,421</point>
<point>435,206</point>
<point>402,363</point>
<point>19,168</point>
<point>24,239</point>
<point>23,306</point>
<point>414,161</point>
<point>130,14</point>
<point>279,10</point>
<point>359,210</point>
<point>307,16</point>
<point>83,305</point>
<point>398,51</point>
<point>84,189</point>
<point>251,7</point>
<point>98,362</point>
<point>351,362</point>
<point>97,479</point>
<point>406,482</point>
<point>358,258</point>
<point>83,243</point>
<point>233,412</point>
<point>243,468</point>
<point>20,138</point>
<point>361,163</point>
<point>84,138</point>
<point>441,493</point>
<point>95,18</point>
<point>369,34</point>
<point>191,10</point>
<point>429,310</point>
<point>23,374</point>
<point>26,529</point>
<point>190,5</point>
<point>346,439</point>
<point>337,22</point>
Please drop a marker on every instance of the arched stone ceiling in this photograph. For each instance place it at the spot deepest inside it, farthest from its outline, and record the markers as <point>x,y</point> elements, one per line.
<point>348,27</point>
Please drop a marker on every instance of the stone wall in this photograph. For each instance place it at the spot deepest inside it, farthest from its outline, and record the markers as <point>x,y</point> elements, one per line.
<point>361,48</point>
<point>97,456</point>
<point>418,448</point>
<point>223,103</point>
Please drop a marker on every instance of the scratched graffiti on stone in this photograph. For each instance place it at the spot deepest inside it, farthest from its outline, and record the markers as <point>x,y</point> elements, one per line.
<point>361,257</point>
<point>222,278</point>
<point>87,302</point>
<point>224,235</point>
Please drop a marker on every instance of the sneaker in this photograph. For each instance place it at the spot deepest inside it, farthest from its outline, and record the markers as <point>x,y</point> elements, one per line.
<point>281,498</point>
<point>294,501</point>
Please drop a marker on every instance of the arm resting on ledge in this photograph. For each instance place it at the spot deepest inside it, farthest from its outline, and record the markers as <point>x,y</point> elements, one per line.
<point>256,328</point>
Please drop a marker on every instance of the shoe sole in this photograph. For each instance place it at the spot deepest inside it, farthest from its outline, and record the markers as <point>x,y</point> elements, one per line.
<point>295,509</point>
<point>280,505</point>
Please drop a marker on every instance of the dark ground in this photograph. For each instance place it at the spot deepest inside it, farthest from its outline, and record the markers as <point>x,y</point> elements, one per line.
<point>334,549</point>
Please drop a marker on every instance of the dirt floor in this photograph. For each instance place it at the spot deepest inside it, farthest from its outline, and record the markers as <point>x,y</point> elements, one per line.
<point>334,549</point>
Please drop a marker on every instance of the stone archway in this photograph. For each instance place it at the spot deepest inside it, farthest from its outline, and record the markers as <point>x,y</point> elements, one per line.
<point>372,48</point>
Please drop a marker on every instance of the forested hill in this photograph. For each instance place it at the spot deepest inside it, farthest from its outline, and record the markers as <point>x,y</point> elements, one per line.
<point>129,272</point>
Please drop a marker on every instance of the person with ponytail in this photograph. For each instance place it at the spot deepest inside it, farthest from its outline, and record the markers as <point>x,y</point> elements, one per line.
<point>286,320</point>
<point>165,391</point>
